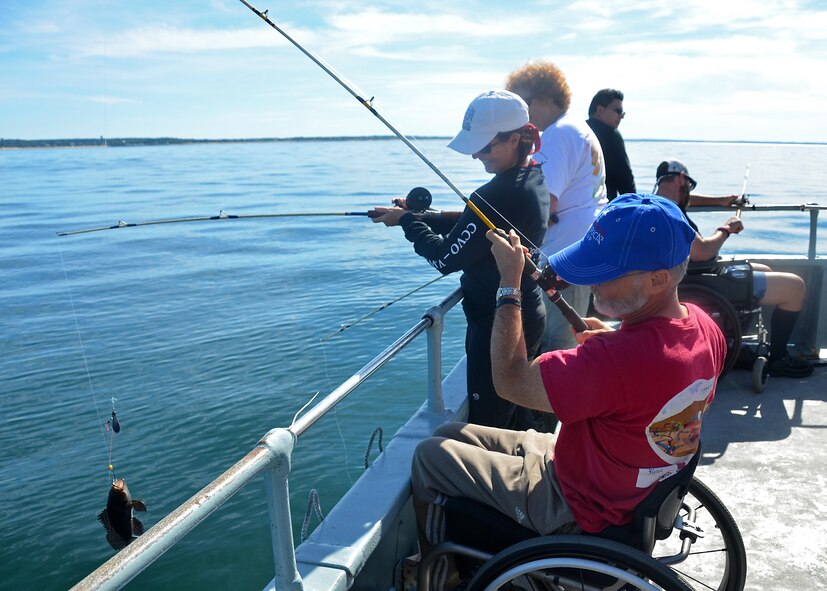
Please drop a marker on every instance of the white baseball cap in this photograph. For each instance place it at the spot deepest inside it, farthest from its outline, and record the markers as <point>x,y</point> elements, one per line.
<point>490,113</point>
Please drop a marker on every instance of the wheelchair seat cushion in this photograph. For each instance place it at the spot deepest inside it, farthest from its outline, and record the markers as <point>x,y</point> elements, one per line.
<point>731,279</point>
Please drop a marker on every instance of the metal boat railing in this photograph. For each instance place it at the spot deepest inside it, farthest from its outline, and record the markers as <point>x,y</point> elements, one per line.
<point>272,458</point>
<point>813,208</point>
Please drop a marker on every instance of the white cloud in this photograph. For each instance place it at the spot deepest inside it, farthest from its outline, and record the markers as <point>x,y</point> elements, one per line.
<point>447,54</point>
<point>399,27</point>
<point>165,39</point>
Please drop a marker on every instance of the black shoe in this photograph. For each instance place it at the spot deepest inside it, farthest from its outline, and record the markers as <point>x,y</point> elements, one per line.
<point>746,358</point>
<point>790,367</point>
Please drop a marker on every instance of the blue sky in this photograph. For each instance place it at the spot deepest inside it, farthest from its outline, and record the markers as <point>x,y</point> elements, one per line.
<point>695,69</point>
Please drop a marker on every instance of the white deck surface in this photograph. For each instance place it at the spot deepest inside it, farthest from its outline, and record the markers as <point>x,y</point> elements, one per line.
<point>765,456</point>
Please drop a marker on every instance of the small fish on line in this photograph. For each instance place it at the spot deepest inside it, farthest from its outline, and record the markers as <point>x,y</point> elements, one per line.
<point>113,421</point>
<point>117,519</point>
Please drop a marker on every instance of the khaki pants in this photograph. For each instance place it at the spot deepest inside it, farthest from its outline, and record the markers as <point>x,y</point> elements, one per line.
<point>512,471</point>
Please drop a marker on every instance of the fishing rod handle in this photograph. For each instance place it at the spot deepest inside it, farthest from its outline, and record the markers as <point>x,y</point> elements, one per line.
<point>568,312</point>
<point>549,283</point>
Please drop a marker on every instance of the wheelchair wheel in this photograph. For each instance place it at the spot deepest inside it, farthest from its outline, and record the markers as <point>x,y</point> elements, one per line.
<point>760,374</point>
<point>718,560</point>
<point>721,311</point>
<point>574,562</point>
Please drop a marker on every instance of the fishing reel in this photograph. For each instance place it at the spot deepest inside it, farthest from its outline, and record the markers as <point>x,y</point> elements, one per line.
<point>549,280</point>
<point>417,201</point>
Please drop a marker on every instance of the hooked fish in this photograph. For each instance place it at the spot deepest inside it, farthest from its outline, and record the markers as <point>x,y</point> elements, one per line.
<point>117,519</point>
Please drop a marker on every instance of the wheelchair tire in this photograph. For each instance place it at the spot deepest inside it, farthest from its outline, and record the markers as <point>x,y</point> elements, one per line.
<point>718,561</point>
<point>575,562</point>
<point>760,374</point>
<point>721,311</point>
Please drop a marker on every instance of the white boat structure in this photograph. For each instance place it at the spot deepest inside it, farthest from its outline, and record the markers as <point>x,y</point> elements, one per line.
<point>763,454</point>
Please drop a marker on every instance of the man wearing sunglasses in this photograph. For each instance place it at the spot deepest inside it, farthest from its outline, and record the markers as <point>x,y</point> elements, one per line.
<point>605,114</point>
<point>784,290</point>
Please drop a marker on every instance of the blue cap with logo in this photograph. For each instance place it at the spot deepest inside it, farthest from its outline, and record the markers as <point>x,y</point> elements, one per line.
<point>634,232</point>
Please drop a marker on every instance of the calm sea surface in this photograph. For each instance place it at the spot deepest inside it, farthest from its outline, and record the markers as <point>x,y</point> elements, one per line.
<point>209,334</point>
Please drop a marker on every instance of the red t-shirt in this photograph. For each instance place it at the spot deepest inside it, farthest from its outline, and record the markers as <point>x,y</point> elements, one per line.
<point>630,405</point>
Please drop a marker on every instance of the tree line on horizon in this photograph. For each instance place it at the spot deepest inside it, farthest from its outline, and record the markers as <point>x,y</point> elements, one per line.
<point>164,141</point>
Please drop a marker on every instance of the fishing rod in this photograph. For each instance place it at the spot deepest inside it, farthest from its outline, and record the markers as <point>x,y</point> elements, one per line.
<point>418,201</point>
<point>546,279</point>
<point>222,215</point>
<point>742,199</point>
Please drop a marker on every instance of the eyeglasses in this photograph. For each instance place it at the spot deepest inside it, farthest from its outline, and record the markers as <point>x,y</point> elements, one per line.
<point>620,112</point>
<point>487,149</point>
<point>690,182</point>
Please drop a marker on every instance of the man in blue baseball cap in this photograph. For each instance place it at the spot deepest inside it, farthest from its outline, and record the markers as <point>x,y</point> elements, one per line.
<point>630,401</point>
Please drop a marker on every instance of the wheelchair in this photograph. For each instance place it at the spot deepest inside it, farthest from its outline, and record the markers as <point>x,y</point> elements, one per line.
<point>681,537</point>
<point>724,290</point>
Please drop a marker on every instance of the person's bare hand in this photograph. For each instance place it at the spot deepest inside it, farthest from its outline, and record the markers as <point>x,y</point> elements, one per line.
<point>596,326</point>
<point>387,215</point>
<point>734,224</point>
<point>510,256</point>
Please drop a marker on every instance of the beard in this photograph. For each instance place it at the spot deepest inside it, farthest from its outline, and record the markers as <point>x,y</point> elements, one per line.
<point>620,307</point>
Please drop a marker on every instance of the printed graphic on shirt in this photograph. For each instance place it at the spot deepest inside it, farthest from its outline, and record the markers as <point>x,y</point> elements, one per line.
<point>675,432</point>
<point>455,248</point>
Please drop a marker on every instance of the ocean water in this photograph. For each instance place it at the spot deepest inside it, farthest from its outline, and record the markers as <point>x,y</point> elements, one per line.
<point>210,334</point>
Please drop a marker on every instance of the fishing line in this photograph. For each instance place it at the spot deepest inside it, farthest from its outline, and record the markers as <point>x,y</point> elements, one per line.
<point>336,415</point>
<point>86,363</point>
<point>306,404</point>
<point>344,327</point>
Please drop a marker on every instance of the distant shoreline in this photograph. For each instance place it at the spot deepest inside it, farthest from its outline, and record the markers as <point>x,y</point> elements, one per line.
<point>124,142</point>
<point>16,144</point>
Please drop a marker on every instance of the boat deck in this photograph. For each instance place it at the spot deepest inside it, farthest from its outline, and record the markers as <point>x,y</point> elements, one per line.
<point>765,455</point>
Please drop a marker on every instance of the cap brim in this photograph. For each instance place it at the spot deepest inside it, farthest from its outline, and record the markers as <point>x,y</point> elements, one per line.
<point>469,143</point>
<point>577,265</point>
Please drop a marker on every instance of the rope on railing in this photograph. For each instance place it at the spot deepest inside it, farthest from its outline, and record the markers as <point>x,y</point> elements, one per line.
<point>313,506</point>
<point>370,445</point>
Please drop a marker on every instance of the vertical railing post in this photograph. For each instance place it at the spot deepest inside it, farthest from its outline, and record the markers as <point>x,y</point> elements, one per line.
<point>281,443</point>
<point>434,332</point>
<point>811,251</point>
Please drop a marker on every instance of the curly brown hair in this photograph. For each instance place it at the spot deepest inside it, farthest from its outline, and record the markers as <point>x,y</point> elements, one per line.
<point>541,79</point>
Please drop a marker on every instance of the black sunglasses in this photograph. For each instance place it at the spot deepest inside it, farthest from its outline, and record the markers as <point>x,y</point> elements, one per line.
<point>691,182</point>
<point>487,148</point>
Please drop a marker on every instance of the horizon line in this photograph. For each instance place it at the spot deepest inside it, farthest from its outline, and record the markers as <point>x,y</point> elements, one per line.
<point>6,143</point>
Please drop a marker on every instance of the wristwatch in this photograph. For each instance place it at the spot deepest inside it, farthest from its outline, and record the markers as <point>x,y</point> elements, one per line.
<point>509,291</point>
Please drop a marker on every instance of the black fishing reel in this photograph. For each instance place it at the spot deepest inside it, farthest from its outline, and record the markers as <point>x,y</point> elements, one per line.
<point>549,280</point>
<point>417,201</point>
